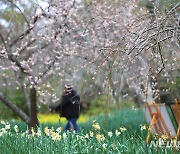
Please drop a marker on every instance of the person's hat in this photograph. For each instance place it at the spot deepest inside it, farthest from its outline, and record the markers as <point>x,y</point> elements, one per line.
<point>68,88</point>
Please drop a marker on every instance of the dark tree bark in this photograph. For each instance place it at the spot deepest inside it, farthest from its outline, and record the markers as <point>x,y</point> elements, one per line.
<point>33,123</point>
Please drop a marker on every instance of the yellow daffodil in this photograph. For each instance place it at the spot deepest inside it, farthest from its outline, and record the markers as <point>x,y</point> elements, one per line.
<point>174,141</point>
<point>100,137</point>
<point>156,136</point>
<point>47,131</point>
<point>122,129</point>
<point>33,132</point>
<point>165,137</point>
<point>96,126</point>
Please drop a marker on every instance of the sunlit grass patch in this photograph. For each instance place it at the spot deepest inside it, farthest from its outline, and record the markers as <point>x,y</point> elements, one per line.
<point>55,118</point>
<point>50,118</point>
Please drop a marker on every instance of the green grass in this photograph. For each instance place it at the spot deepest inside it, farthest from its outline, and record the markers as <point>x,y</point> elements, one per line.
<point>112,121</point>
<point>129,141</point>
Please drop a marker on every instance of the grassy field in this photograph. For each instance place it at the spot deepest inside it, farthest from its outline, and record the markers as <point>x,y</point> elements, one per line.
<point>119,132</point>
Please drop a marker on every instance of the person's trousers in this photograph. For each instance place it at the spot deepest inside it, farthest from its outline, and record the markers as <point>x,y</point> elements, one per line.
<point>72,125</point>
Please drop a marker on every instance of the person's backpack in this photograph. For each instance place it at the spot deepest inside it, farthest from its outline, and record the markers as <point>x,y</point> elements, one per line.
<point>75,99</point>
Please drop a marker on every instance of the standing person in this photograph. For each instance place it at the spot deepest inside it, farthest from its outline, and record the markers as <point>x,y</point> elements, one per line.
<point>69,107</point>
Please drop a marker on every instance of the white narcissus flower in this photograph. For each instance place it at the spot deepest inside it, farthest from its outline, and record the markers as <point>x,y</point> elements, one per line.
<point>1,134</point>
<point>110,134</point>
<point>7,126</point>
<point>3,130</point>
<point>38,132</point>
<point>104,146</point>
<point>59,129</point>
<point>94,121</point>
<point>27,132</point>
<point>3,122</point>
<point>143,127</point>
<point>56,137</point>
<point>23,134</point>
<point>117,133</point>
<point>91,134</point>
<point>86,136</point>
<point>64,135</point>
<point>16,128</point>
<point>82,137</point>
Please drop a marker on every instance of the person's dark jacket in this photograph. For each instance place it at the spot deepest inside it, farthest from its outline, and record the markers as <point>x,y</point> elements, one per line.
<point>70,105</point>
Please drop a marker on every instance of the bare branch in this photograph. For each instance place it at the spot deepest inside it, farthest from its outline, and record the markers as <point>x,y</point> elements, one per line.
<point>21,36</point>
<point>27,45</point>
<point>10,1</point>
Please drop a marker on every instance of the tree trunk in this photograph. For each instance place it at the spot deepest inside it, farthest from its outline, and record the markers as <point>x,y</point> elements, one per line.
<point>26,96</point>
<point>33,123</point>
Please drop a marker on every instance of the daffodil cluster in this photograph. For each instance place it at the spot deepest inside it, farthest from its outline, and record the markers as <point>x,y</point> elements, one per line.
<point>95,125</point>
<point>100,137</point>
<point>5,129</point>
<point>54,135</point>
<point>58,134</point>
